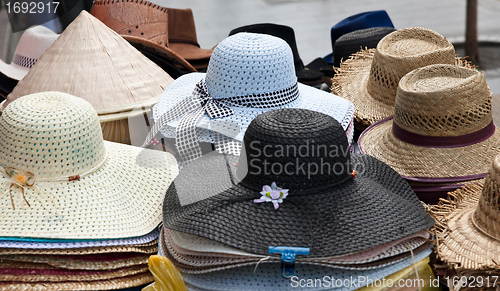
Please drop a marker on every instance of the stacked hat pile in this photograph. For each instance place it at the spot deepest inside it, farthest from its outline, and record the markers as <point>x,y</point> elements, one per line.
<point>330,213</point>
<point>78,213</point>
<point>467,233</point>
<point>91,61</point>
<point>248,74</point>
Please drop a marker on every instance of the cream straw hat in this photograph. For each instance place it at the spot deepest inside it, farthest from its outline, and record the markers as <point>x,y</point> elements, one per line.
<point>59,179</point>
<point>91,61</point>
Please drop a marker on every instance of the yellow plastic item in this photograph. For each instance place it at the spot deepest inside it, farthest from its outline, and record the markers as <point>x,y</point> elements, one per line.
<point>167,277</point>
<point>407,279</point>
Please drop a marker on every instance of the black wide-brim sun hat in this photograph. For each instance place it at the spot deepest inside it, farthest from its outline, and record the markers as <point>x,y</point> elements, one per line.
<point>330,214</point>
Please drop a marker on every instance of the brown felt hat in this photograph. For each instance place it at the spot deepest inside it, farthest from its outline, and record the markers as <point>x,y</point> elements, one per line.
<point>182,38</point>
<point>143,24</point>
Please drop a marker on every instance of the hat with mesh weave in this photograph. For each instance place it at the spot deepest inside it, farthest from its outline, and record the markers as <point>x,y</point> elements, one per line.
<point>266,276</point>
<point>248,74</point>
<point>305,152</point>
<point>32,44</point>
<point>442,130</point>
<point>142,23</point>
<point>467,229</point>
<point>59,179</point>
<point>370,78</point>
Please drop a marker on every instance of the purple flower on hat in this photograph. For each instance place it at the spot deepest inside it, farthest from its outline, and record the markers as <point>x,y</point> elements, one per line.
<point>272,194</point>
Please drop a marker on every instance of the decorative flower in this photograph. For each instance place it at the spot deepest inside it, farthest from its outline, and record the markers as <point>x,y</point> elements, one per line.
<point>272,194</point>
<point>154,141</point>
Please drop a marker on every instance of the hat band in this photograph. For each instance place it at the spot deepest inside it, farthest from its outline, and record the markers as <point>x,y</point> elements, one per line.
<point>178,40</point>
<point>191,109</point>
<point>443,141</point>
<point>23,61</point>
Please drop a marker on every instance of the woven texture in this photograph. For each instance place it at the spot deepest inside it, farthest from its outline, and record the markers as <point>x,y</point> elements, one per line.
<point>357,40</point>
<point>320,205</point>
<point>251,74</point>
<point>78,181</point>
<point>109,284</point>
<point>467,229</point>
<point>33,43</point>
<point>112,75</point>
<point>143,24</point>
<point>148,248</point>
<point>370,78</point>
<point>443,101</point>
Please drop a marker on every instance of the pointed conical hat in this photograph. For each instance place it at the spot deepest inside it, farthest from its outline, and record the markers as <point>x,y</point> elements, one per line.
<point>91,61</point>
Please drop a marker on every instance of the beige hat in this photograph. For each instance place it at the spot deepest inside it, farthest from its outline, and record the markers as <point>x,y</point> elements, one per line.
<point>32,44</point>
<point>59,179</point>
<point>442,131</point>
<point>370,77</point>
<point>468,225</point>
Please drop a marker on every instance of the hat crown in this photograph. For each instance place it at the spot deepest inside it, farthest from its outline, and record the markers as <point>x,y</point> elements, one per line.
<point>134,18</point>
<point>247,64</point>
<point>32,44</point>
<point>401,52</point>
<point>296,148</point>
<point>51,134</point>
<point>443,100</point>
<point>487,214</point>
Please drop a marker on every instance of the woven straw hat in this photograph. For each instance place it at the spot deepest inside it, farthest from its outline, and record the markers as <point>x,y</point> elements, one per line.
<point>467,229</point>
<point>267,276</point>
<point>119,282</point>
<point>219,204</point>
<point>32,44</point>
<point>59,174</point>
<point>143,24</point>
<point>442,129</point>
<point>146,248</point>
<point>248,74</point>
<point>111,74</point>
<point>370,78</point>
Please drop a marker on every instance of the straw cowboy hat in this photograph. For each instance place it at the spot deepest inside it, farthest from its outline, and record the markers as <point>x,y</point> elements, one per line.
<point>248,74</point>
<point>467,228</point>
<point>370,78</point>
<point>143,24</point>
<point>442,130</point>
<point>33,43</point>
<point>91,61</point>
<point>182,38</point>
<point>224,203</point>
<point>60,176</point>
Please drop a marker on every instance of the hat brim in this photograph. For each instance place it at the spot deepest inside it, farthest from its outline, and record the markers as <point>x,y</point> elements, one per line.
<point>107,284</point>
<point>160,50</point>
<point>145,248</point>
<point>191,52</point>
<point>426,164</point>
<point>310,98</point>
<point>13,71</point>
<point>120,199</point>
<point>249,226</point>
<point>350,81</point>
<point>459,242</point>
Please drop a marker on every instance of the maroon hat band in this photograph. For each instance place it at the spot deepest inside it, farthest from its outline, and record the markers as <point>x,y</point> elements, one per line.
<point>443,141</point>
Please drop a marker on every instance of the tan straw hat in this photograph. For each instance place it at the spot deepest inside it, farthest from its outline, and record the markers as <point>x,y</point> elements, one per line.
<point>91,61</point>
<point>143,24</point>
<point>468,224</point>
<point>370,78</point>
<point>442,131</point>
<point>59,179</point>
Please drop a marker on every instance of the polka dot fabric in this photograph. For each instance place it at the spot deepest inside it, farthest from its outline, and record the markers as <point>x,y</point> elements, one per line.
<point>85,188</point>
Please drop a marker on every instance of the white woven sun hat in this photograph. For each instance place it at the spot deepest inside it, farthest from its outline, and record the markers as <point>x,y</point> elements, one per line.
<point>248,74</point>
<point>59,179</point>
<point>32,44</point>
